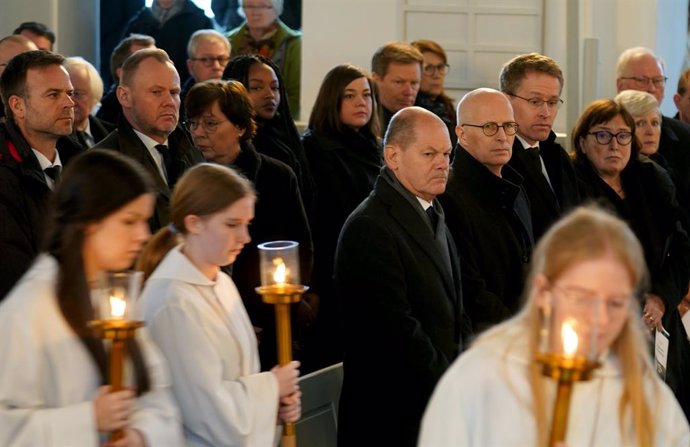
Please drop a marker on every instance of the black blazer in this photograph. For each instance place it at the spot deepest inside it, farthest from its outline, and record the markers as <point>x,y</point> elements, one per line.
<point>674,146</point>
<point>403,316</point>
<point>489,218</point>
<point>547,204</point>
<point>123,139</point>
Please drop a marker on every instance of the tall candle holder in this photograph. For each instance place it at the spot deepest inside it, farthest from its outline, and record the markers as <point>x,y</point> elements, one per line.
<point>279,263</point>
<point>568,351</point>
<point>114,322</point>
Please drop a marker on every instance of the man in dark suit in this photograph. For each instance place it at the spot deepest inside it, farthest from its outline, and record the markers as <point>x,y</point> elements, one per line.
<point>397,276</point>
<point>488,210</point>
<point>34,145</point>
<point>148,130</point>
<point>533,83</point>
<point>638,68</point>
<point>88,90</point>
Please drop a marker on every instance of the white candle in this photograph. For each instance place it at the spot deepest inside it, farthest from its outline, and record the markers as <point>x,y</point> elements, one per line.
<point>281,272</point>
<point>117,307</point>
<point>569,337</point>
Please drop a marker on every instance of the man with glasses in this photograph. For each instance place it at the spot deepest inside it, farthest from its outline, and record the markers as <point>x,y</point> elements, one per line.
<point>682,97</point>
<point>533,83</point>
<point>487,209</point>
<point>638,68</point>
<point>148,130</point>
<point>209,53</point>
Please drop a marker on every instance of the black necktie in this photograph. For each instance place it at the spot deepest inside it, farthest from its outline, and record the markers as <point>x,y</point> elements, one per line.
<point>533,155</point>
<point>53,172</point>
<point>433,217</point>
<point>85,139</point>
<point>168,162</point>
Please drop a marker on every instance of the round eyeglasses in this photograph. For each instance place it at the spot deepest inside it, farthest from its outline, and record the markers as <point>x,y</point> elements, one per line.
<point>429,70</point>
<point>605,137</point>
<point>209,125</point>
<point>490,129</point>
<point>209,61</point>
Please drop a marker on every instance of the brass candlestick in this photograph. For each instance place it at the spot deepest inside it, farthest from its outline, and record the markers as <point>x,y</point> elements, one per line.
<point>280,286</point>
<point>566,370</point>
<point>114,322</point>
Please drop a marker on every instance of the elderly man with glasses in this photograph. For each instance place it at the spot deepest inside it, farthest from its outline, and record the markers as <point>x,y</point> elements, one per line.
<point>640,69</point>
<point>209,53</point>
<point>533,83</point>
<point>487,209</point>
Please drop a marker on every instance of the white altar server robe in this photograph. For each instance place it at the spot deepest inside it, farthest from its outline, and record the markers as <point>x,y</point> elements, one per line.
<point>484,399</point>
<point>203,330</point>
<point>48,380</point>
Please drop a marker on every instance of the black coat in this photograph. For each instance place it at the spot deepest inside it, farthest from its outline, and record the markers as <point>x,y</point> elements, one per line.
<point>403,316</point>
<point>490,220</point>
<point>173,35</point>
<point>110,109</point>
<point>674,146</point>
<point>24,196</point>
<point>547,204</point>
<point>99,130</point>
<point>124,140</point>
<point>278,215</point>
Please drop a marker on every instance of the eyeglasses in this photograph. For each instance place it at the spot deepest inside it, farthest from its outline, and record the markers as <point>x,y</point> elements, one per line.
<point>429,70</point>
<point>490,129</point>
<point>605,137</point>
<point>208,61</point>
<point>583,299</point>
<point>538,103</point>
<point>257,7</point>
<point>209,125</point>
<point>643,81</point>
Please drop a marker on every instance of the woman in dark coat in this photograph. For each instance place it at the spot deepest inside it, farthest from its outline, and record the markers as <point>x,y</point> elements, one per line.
<point>345,159</point>
<point>222,126</point>
<point>609,169</point>
<point>171,23</point>
<point>276,134</point>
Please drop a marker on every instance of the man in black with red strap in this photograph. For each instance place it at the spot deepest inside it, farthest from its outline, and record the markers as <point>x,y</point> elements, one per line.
<point>34,145</point>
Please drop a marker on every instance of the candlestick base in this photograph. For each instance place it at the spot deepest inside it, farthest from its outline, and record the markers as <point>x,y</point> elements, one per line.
<point>566,369</point>
<point>114,329</point>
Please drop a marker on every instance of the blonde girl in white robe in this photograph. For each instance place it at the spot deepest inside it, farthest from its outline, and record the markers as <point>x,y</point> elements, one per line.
<point>495,395</point>
<point>52,369</point>
<point>197,318</point>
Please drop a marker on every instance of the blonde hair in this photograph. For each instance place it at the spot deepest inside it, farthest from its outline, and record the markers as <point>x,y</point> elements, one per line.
<point>203,190</point>
<point>590,233</point>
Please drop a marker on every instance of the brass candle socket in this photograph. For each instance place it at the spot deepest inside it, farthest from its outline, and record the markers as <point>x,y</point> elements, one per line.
<point>119,331</point>
<point>566,371</point>
<point>282,296</point>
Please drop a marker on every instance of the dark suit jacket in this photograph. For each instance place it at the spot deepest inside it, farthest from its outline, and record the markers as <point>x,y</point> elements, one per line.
<point>123,139</point>
<point>489,218</point>
<point>24,198</point>
<point>547,204</point>
<point>403,317</point>
<point>674,146</point>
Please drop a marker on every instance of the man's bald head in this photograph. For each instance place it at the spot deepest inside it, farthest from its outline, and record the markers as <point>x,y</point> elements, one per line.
<point>402,130</point>
<point>13,45</point>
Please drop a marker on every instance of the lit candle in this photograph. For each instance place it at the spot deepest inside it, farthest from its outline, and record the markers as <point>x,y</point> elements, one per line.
<point>281,272</point>
<point>117,307</point>
<point>569,337</point>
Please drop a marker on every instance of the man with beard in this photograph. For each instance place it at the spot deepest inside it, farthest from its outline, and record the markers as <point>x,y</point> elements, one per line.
<point>34,145</point>
<point>147,130</point>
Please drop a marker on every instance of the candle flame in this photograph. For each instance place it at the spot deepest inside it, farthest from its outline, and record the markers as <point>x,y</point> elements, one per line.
<point>569,337</point>
<point>117,307</point>
<point>281,272</point>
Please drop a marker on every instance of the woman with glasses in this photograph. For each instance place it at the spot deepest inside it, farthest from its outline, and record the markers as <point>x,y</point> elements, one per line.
<point>263,33</point>
<point>609,170</point>
<point>431,95</point>
<point>496,395</point>
<point>221,123</point>
<point>345,157</point>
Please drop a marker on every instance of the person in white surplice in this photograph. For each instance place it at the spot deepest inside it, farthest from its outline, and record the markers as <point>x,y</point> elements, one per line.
<point>495,394</point>
<point>197,318</point>
<point>52,368</point>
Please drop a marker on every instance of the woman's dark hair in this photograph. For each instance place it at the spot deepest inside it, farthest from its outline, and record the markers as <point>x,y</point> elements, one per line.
<point>232,98</point>
<point>325,116</point>
<point>598,112</point>
<point>94,185</point>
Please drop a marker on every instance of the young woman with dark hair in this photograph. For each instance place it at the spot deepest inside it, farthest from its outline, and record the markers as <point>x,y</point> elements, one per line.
<point>52,391</point>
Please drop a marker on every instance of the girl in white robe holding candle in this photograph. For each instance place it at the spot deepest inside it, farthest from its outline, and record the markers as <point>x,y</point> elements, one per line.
<point>52,368</point>
<point>495,393</point>
<point>197,318</point>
